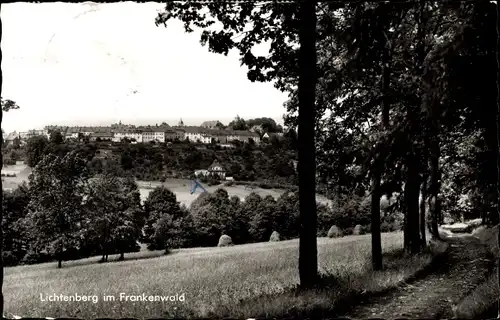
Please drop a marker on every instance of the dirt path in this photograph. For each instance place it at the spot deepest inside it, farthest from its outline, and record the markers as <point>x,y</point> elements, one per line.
<point>463,268</point>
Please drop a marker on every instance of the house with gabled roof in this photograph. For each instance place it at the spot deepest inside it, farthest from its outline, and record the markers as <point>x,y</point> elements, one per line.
<point>216,169</point>
<point>11,137</point>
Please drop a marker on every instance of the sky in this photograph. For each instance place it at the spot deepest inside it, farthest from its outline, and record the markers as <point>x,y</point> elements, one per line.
<point>97,64</point>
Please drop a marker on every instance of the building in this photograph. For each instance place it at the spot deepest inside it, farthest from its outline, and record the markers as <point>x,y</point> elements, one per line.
<point>174,133</point>
<point>157,133</point>
<point>201,173</point>
<point>216,169</point>
<point>220,136</point>
<point>269,135</point>
<point>24,135</point>
<point>11,137</point>
<point>211,124</point>
<point>195,134</point>
<point>132,134</point>
<point>103,136</point>
<point>243,136</point>
<point>35,132</point>
<point>72,133</point>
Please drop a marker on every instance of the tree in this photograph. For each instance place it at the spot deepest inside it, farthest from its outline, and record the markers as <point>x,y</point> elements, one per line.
<point>163,213</point>
<point>55,208</point>
<point>238,124</point>
<point>308,256</point>
<point>285,26</point>
<point>56,137</point>
<point>114,215</point>
<point>262,222</point>
<point>35,149</point>
<point>7,105</point>
<point>498,134</point>
<point>15,205</point>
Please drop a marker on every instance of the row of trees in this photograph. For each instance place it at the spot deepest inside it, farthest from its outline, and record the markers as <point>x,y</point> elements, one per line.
<point>63,215</point>
<point>244,162</point>
<point>383,93</point>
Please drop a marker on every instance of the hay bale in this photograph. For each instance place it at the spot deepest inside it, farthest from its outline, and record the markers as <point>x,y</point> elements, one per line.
<point>334,232</point>
<point>478,230</point>
<point>225,241</point>
<point>357,230</point>
<point>275,236</point>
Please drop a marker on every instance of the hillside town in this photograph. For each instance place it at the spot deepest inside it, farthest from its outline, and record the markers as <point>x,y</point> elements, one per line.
<point>208,132</point>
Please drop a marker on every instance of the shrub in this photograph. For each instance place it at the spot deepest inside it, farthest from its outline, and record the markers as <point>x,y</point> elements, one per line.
<point>275,236</point>
<point>10,259</point>
<point>9,161</point>
<point>225,241</point>
<point>386,227</point>
<point>334,232</point>
<point>265,186</point>
<point>366,229</point>
<point>36,257</point>
<point>357,230</point>
<point>350,211</point>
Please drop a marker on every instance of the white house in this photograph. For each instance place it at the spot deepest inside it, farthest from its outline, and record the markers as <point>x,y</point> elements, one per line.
<point>194,134</point>
<point>217,170</point>
<point>131,134</point>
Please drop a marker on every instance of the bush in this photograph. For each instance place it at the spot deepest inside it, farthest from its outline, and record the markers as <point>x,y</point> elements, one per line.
<point>352,210</point>
<point>225,241</point>
<point>265,186</point>
<point>366,229</point>
<point>36,257</point>
<point>10,259</point>
<point>275,236</point>
<point>9,162</point>
<point>334,232</point>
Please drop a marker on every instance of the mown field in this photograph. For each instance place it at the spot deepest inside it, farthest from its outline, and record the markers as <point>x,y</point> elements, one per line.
<point>21,171</point>
<point>241,281</point>
<point>181,187</point>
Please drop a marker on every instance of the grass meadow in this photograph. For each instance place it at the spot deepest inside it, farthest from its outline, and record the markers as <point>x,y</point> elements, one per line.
<point>253,280</point>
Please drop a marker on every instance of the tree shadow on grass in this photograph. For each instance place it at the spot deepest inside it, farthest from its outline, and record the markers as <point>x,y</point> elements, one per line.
<point>336,294</point>
<point>114,258</point>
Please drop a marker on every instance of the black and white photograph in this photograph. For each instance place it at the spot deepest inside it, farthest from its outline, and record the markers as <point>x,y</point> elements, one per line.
<point>250,160</point>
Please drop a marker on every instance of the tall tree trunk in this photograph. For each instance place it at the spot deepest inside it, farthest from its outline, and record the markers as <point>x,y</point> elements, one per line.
<point>406,231</point>
<point>59,255</point>
<point>60,249</point>
<point>432,127</point>
<point>375,215</point>
<point>308,254</point>
<point>498,138</point>
<point>423,218</point>
<point>411,195</point>
<point>434,201</point>
<point>378,167</point>
<point>1,186</point>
